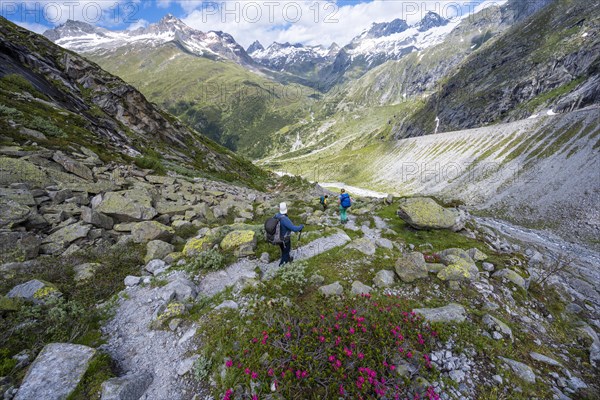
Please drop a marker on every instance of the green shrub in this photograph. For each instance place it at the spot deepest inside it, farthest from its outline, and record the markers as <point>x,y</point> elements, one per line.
<point>202,368</point>
<point>10,112</point>
<point>210,260</point>
<point>44,126</point>
<point>6,362</point>
<point>293,276</point>
<point>150,162</point>
<point>101,369</point>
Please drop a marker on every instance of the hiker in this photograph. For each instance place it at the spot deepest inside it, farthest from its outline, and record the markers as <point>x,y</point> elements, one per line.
<point>324,200</point>
<point>287,227</point>
<point>345,203</point>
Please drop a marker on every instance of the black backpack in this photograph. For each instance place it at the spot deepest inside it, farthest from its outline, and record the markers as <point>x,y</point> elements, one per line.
<point>273,230</point>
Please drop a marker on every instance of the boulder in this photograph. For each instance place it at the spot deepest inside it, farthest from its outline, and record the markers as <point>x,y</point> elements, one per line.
<point>132,281</point>
<point>385,243</point>
<point>411,267</point>
<point>21,244</point>
<point>12,213</point>
<point>72,166</point>
<point>363,245</point>
<point>523,371</point>
<point>56,372</point>
<point>359,288</point>
<point>146,231</point>
<point>243,243</point>
<point>545,359</point>
<point>450,313</point>
<point>84,272</point>
<point>335,289</point>
<point>69,234</point>
<point>197,245</point>
<point>384,278</point>
<point>459,270</point>
<point>35,290</point>
<point>425,213</point>
<point>157,249</point>
<point>155,267</point>
<point>449,256</point>
<point>510,276</point>
<point>128,387</point>
<point>180,289</point>
<point>96,218</point>
<point>477,255</point>
<point>127,206</point>
<point>389,199</point>
<point>496,325</point>
<point>18,170</point>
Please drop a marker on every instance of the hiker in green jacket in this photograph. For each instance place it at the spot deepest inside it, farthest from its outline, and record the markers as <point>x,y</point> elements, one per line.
<point>345,203</point>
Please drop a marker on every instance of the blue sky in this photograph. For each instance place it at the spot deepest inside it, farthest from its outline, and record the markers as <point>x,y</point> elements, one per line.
<point>306,21</point>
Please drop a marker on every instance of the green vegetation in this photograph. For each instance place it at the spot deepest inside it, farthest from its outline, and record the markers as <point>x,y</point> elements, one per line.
<point>74,317</point>
<point>101,369</point>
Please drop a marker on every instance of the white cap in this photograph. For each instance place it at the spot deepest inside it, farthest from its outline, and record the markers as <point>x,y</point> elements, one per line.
<point>283,208</point>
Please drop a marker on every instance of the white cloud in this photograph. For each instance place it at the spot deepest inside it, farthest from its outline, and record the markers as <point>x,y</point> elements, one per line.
<point>309,22</point>
<point>142,23</point>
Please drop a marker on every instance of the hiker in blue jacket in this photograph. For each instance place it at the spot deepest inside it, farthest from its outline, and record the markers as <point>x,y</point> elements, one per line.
<point>345,203</point>
<point>287,227</point>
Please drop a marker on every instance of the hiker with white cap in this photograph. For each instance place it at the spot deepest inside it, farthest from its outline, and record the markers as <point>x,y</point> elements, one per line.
<point>285,228</point>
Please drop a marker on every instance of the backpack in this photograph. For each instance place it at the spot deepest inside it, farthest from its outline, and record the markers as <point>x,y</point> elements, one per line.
<point>345,200</point>
<point>273,230</point>
<point>322,200</point>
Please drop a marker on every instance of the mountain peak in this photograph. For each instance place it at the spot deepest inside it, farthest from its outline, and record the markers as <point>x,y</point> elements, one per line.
<point>431,20</point>
<point>254,47</point>
<point>383,29</point>
<point>171,23</point>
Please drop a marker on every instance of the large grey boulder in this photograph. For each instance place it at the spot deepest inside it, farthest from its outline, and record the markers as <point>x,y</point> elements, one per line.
<point>12,213</point>
<point>34,290</point>
<point>523,371</point>
<point>364,245</point>
<point>335,289</point>
<point>157,249</point>
<point>127,206</point>
<point>128,387</point>
<point>425,213</point>
<point>24,244</point>
<point>450,313</point>
<point>69,234</point>
<point>72,166</point>
<point>180,289</point>
<point>411,267</point>
<point>510,276</point>
<point>56,372</point>
<point>359,288</point>
<point>96,218</point>
<point>146,231</point>
<point>384,278</point>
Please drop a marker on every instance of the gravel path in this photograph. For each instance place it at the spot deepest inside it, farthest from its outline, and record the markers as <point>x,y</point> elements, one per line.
<point>138,348</point>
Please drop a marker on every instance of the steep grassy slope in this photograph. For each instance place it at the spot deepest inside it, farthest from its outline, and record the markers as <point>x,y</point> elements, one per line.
<point>71,100</point>
<point>549,60</point>
<point>230,104</point>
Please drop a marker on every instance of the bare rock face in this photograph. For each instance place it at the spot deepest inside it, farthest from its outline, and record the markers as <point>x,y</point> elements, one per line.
<point>56,372</point>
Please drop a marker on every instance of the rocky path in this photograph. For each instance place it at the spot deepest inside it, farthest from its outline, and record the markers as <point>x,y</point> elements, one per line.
<point>218,281</point>
<point>140,349</point>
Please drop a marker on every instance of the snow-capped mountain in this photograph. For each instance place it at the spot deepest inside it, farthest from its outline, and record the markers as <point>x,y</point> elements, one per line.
<point>382,42</point>
<point>393,40</point>
<point>85,38</point>
<point>294,58</point>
